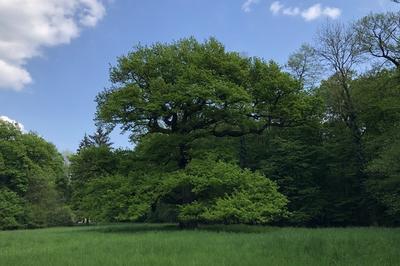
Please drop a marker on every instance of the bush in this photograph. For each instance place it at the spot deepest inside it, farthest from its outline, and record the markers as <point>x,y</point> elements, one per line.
<point>61,216</point>
<point>217,192</point>
<point>11,210</point>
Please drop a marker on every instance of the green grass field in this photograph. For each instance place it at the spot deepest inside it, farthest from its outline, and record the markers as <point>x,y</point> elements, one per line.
<point>148,244</point>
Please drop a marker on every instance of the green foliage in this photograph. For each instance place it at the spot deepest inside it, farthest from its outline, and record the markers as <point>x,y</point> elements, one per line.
<point>108,198</point>
<point>220,192</point>
<point>293,158</point>
<point>175,84</point>
<point>304,66</point>
<point>190,90</point>
<point>11,209</point>
<point>29,168</point>
<point>210,126</point>
<point>378,97</point>
<point>385,182</point>
<point>88,164</point>
<point>61,215</point>
<point>190,101</point>
<point>106,185</point>
<point>99,138</point>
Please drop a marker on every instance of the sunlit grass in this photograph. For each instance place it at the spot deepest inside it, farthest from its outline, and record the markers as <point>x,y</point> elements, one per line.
<point>148,244</point>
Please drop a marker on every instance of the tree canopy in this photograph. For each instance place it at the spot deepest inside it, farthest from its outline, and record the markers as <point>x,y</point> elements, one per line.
<point>189,90</point>
<point>223,138</point>
<point>30,169</point>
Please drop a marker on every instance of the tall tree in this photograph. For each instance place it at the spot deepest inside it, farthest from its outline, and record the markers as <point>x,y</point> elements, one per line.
<point>379,36</point>
<point>189,90</point>
<point>378,98</point>
<point>339,49</point>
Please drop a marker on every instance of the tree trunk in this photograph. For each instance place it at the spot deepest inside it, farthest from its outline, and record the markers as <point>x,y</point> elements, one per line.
<point>183,155</point>
<point>242,152</point>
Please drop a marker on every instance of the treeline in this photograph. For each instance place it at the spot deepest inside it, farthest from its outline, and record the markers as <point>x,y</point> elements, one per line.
<point>34,188</point>
<point>223,138</point>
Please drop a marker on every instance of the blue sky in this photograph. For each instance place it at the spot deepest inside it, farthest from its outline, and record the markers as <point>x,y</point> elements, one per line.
<point>50,74</point>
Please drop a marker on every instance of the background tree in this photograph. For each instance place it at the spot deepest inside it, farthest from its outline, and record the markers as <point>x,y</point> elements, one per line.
<point>304,66</point>
<point>29,168</point>
<point>88,164</point>
<point>85,143</point>
<point>378,97</point>
<point>339,48</point>
<point>378,35</point>
<point>101,137</point>
<point>11,209</point>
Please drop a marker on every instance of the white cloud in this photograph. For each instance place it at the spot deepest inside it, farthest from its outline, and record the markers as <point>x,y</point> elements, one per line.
<point>11,121</point>
<point>246,7</point>
<point>316,11</point>
<point>13,76</point>
<point>332,12</point>
<point>291,11</point>
<point>27,26</point>
<point>276,7</point>
<point>311,13</point>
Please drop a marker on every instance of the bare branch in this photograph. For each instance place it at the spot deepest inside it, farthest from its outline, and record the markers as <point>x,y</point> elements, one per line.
<point>378,35</point>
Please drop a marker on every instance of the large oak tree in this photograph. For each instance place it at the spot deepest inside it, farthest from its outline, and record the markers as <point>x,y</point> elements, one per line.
<point>188,90</point>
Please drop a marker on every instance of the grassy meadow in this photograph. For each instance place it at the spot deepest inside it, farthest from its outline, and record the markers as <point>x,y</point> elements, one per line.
<point>152,244</point>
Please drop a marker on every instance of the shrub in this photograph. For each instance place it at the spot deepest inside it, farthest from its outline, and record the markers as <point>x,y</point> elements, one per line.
<point>11,210</point>
<point>217,192</point>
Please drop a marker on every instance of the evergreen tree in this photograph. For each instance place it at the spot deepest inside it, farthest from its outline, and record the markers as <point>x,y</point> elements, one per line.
<point>85,143</point>
<point>101,137</point>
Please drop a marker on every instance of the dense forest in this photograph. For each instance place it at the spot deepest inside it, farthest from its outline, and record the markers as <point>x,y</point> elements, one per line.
<point>224,138</point>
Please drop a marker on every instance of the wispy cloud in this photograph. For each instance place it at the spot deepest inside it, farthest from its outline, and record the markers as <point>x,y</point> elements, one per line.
<point>291,11</point>
<point>311,13</point>
<point>247,6</point>
<point>276,7</point>
<point>26,27</point>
